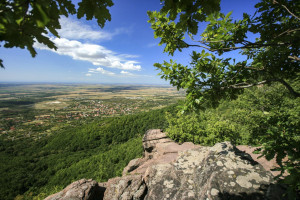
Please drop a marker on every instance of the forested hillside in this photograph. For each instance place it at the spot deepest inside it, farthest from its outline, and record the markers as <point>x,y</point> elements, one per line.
<point>96,149</point>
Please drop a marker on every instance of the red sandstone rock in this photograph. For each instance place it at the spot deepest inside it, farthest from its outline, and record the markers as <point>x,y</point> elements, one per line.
<point>267,164</point>
<point>80,190</point>
<point>159,149</point>
<point>172,171</point>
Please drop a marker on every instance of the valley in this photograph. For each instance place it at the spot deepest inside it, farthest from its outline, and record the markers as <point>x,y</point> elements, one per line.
<point>51,135</point>
<point>36,110</point>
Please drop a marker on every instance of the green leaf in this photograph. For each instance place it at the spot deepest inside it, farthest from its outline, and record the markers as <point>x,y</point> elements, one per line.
<point>44,19</point>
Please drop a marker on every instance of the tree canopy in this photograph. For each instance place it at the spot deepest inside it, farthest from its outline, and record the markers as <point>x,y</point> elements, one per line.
<point>23,22</point>
<point>272,57</point>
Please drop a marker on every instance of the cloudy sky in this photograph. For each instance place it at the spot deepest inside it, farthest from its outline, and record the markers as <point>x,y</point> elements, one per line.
<point>122,52</point>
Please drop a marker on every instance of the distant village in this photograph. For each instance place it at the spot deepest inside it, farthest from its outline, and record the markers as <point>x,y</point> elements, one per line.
<point>36,111</point>
<point>93,110</point>
<point>75,111</point>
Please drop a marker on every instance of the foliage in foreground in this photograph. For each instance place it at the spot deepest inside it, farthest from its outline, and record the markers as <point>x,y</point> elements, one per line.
<point>98,150</point>
<point>22,23</point>
<point>271,54</point>
<point>264,116</point>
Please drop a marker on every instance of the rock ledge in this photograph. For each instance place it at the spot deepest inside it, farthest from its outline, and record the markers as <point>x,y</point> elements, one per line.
<point>172,171</point>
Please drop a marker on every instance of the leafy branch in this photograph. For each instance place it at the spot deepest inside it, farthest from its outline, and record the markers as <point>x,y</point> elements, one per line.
<point>24,22</point>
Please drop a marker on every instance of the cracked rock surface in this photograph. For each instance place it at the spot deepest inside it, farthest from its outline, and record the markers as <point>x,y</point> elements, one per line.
<point>80,190</point>
<point>218,172</point>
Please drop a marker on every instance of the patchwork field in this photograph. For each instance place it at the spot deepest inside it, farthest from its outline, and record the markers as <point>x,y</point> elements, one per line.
<point>34,110</point>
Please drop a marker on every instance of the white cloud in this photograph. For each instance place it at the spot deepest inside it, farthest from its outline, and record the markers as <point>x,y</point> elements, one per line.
<point>154,44</point>
<point>70,44</point>
<point>128,56</point>
<point>127,30</point>
<point>96,54</point>
<point>101,71</point>
<point>109,73</point>
<point>126,73</point>
<point>72,29</point>
<point>129,74</point>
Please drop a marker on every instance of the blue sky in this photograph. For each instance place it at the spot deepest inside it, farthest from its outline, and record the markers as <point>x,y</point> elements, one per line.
<point>122,52</point>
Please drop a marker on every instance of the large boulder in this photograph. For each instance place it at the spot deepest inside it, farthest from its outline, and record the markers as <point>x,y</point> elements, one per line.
<point>218,172</point>
<point>80,190</point>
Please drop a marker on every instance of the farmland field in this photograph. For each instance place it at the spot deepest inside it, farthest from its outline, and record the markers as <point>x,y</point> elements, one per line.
<point>45,106</point>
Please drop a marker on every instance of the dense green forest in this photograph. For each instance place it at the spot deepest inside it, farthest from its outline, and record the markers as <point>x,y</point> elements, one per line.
<point>99,149</point>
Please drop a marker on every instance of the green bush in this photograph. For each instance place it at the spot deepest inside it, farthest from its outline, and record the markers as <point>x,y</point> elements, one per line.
<point>266,116</point>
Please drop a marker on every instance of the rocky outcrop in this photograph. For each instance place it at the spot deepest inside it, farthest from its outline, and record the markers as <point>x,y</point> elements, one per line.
<point>80,190</point>
<point>158,149</point>
<point>216,172</point>
<point>187,171</point>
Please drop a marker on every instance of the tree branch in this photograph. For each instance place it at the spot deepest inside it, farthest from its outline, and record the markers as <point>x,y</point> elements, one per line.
<point>252,68</point>
<point>274,1</point>
<point>196,45</point>
<point>250,46</point>
<point>202,42</point>
<point>294,58</point>
<point>26,7</point>
<point>247,85</point>
<point>291,90</point>
<point>287,31</point>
